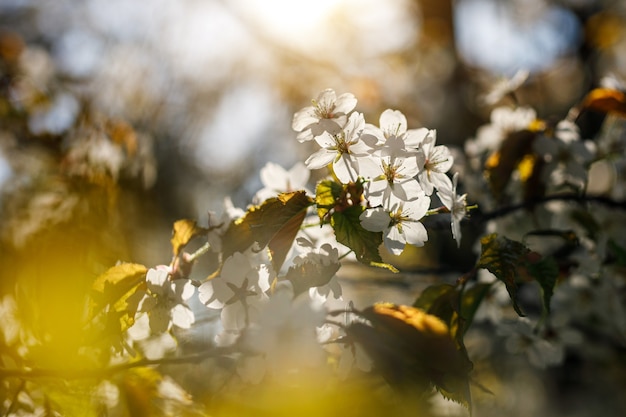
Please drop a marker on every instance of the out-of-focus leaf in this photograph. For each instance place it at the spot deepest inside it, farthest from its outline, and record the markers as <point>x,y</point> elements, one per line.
<point>502,257</point>
<point>69,398</point>
<point>545,271</point>
<point>605,100</point>
<point>470,302</point>
<point>414,350</point>
<point>531,175</point>
<point>117,288</point>
<point>140,387</point>
<point>455,308</point>
<point>308,275</point>
<point>587,221</point>
<point>618,251</point>
<point>432,295</point>
<point>441,300</point>
<point>116,282</point>
<point>184,230</point>
<point>274,223</point>
<point>501,164</point>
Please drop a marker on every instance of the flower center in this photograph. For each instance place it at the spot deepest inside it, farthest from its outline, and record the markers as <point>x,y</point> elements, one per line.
<point>391,171</point>
<point>324,110</point>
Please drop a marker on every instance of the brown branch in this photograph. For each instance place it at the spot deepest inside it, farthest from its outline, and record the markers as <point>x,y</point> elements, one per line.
<point>95,373</point>
<point>577,198</point>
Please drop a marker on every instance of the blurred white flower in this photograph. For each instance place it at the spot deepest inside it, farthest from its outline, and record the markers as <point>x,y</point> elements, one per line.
<point>504,121</point>
<point>165,301</point>
<point>567,157</point>
<point>325,255</point>
<point>284,334</point>
<point>522,338</point>
<point>240,286</point>
<point>277,180</point>
<point>505,86</point>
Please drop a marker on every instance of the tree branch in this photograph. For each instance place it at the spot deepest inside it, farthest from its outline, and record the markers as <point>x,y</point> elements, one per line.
<point>577,198</point>
<point>95,373</point>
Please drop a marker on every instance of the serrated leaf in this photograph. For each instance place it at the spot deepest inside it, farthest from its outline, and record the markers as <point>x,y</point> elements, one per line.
<point>274,223</point>
<point>546,272</point>
<point>364,244</point>
<point>502,257</point>
<point>183,231</point>
<point>414,349</point>
<point>117,281</point>
<point>327,194</point>
<point>117,288</point>
<point>308,275</point>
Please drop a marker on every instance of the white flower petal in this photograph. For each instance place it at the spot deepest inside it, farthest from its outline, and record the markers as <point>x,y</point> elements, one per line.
<point>394,240</point>
<point>375,219</point>
<point>182,316</point>
<point>393,122</point>
<point>415,233</point>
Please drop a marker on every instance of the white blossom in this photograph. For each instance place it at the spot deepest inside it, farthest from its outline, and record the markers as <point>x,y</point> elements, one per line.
<point>277,180</point>
<point>456,204</point>
<point>165,301</point>
<point>327,114</point>
<point>400,223</point>
<point>342,150</point>
<point>434,162</point>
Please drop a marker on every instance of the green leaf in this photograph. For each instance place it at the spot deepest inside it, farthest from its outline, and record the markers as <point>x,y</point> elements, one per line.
<point>308,275</point>
<point>618,251</point>
<point>432,295</point>
<point>328,194</point>
<point>470,301</point>
<point>341,205</point>
<point>274,223</point>
<point>546,272</point>
<point>502,257</point>
<point>364,244</point>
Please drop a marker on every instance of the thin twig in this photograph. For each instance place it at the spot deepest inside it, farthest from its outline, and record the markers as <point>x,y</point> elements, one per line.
<point>577,198</point>
<point>108,371</point>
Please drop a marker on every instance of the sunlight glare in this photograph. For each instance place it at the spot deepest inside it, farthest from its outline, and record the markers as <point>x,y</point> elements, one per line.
<point>301,23</point>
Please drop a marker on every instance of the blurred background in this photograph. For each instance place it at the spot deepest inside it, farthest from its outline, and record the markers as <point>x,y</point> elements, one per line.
<point>118,117</point>
<point>193,97</point>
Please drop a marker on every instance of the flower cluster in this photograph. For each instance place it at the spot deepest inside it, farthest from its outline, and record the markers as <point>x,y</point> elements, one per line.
<point>400,167</point>
<point>272,297</point>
